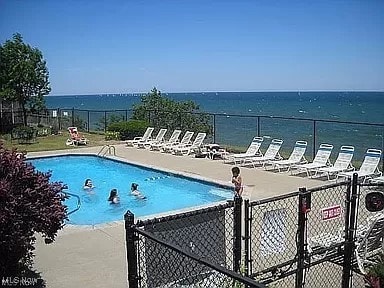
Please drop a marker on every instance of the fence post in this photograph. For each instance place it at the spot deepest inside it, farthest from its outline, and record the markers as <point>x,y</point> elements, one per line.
<point>314,140</point>
<point>303,208</point>
<point>59,119</point>
<point>105,121</point>
<point>237,234</point>
<point>88,124</point>
<point>73,116</point>
<point>247,237</point>
<point>131,249</point>
<point>214,128</point>
<point>350,233</point>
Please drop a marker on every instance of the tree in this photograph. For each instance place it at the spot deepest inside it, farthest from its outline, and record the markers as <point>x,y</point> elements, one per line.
<point>23,75</point>
<point>163,112</point>
<point>29,204</point>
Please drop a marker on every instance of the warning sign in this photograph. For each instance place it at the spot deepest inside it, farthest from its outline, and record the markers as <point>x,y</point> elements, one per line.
<point>331,212</point>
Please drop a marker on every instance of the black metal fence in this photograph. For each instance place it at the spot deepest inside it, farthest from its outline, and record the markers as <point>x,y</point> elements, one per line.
<point>200,248</point>
<point>304,239</point>
<point>229,129</point>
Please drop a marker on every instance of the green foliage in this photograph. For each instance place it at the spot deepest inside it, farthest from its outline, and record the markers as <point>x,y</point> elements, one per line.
<point>24,134</point>
<point>110,135</point>
<point>163,112</point>
<point>129,129</point>
<point>23,75</point>
<point>110,120</point>
<point>29,204</point>
<point>375,275</point>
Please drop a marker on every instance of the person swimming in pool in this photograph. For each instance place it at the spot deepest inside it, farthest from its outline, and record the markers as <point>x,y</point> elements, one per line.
<point>88,185</point>
<point>114,197</point>
<point>136,192</point>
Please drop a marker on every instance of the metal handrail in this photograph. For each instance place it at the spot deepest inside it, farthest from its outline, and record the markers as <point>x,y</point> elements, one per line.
<point>110,148</point>
<point>78,202</point>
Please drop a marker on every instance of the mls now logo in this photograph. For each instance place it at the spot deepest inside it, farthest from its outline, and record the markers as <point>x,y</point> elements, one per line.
<point>18,281</point>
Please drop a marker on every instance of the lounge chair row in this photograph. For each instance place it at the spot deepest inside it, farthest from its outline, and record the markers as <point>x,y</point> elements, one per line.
<point>297,164</point>
<point>173,145</point>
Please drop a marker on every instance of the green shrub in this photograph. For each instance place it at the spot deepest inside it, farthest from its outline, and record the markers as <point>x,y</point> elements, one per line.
<point>24,134</point>
<point>110,135</point>
<point>129,129</point>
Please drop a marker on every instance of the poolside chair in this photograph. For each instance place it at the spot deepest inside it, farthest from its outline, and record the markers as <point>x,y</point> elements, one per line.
<point>342,163</point>
<point>147,143</point>
<point>271,154</point>
<point>173,140</point>
<point>321,160</point>
<point>253,150</point>
<point>377,180</point>
<point>369,167</point>
<point>75,137</point>
<point>369,241</point>
<point>190,148</point>
<point>184,141</point>
<point>296,157</point>
<point>145,137</point>
<point>371,244</point>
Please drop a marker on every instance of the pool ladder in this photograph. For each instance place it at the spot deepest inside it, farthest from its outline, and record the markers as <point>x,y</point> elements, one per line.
<point>78,202</point>
<point>110,149</point>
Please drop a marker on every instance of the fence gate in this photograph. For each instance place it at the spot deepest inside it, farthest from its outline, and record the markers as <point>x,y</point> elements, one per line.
<point>312,238</point>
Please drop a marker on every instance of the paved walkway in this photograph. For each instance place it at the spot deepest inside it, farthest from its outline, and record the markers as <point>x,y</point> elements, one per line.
<point>96,256</point>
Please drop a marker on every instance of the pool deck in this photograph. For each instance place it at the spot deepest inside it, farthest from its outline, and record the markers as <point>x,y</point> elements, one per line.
<point>95,256</point>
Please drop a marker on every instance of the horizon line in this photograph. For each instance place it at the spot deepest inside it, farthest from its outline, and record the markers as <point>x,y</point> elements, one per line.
<point>185,92</point>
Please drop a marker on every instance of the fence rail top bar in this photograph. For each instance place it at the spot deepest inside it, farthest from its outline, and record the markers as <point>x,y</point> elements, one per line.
<point>152,221</point>
<point>200,259</point>
<point>235,115</point>
<point>275,198</point>
<point>327,186</point>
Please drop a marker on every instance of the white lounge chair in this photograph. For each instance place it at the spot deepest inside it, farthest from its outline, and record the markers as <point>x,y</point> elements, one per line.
<point>271,154</point>
<point>184,141</point>
<point>173,140</point>
<point>253,150</point>
<point>146,136</point>
<point>369,241</point>
<point>296,157</point>
<point>342,163</point>
<point>147,143</point>
<point>371,244</point>
<point>377,180</point>
<point>75,137</point>
<point>190,148</point>
<point>321,160</point>
<point>369,167</point>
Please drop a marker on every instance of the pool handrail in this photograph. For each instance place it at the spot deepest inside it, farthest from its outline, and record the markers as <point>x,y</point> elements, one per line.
<point>78,202</point>
<point>110,149</point>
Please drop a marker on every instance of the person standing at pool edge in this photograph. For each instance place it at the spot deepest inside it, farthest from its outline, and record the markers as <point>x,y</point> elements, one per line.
<point>237,181</point>
<point>114,197</point>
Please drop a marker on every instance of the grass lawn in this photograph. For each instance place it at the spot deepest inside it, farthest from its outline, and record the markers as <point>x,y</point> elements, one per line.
<point>54,142</point>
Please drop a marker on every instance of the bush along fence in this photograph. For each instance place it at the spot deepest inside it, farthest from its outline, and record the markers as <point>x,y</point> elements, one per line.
<point>323,237</point>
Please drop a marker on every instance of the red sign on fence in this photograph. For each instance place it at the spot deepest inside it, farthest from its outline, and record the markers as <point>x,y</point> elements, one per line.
<point>331,212</point>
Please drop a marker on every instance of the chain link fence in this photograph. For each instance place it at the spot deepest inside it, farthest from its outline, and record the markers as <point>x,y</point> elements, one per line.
<point>302,239</point>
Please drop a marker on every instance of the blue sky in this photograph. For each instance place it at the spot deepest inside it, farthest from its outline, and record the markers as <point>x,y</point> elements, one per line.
<point>94,46</point>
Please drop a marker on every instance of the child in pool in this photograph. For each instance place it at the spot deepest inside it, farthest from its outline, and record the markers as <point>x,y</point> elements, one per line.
<point>114,197</point>
<point>136,192</point>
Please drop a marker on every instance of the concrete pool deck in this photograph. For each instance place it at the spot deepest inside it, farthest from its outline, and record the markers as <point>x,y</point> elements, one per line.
<point>96,257</point>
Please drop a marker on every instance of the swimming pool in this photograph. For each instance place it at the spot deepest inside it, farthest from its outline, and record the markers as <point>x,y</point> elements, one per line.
<point>164,191</point>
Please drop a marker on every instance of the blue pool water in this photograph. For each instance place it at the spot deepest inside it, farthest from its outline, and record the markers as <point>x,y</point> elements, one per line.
<point>164,192</point>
